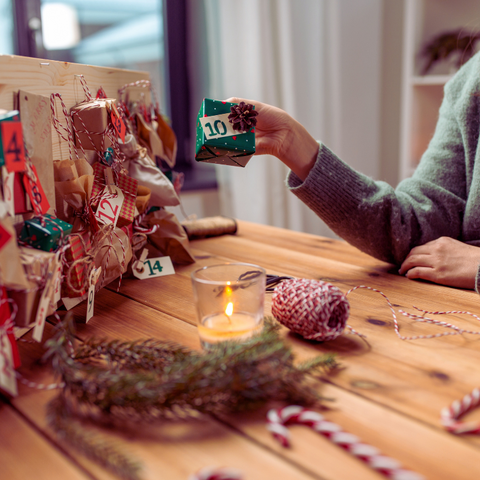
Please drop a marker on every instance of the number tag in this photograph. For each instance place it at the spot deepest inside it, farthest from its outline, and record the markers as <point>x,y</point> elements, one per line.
<point>110,205</point>
<point>5,236</point>
<point>91,293</point>
<point>8,179</point>
<point>153,267</point>
<point>218,126</point>
<point>8,382</point>
<point>118,124</point>
<point>42,309</point>
<point>36,194</point>
<point>13,149</point>
<point>57,281</point>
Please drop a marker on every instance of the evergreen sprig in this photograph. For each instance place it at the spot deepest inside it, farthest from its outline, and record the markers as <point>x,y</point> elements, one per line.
<point>152,380</point>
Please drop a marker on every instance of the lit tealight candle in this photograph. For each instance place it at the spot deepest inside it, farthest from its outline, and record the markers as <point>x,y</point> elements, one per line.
<point>228,325</point>
<point>232,311</point>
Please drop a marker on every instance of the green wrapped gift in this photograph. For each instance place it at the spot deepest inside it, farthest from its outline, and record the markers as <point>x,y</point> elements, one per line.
<point>217,141</point>
<point>44,232</point>
<point>11,116</point>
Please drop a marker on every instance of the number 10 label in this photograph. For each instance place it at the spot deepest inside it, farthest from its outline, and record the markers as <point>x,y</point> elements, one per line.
<point>217,126</point>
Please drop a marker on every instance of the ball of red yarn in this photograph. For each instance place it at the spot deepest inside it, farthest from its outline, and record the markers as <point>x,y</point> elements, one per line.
<point>314,309</point>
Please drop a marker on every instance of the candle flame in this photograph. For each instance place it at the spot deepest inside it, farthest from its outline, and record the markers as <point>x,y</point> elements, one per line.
<point>229,309</point>
<point>228,290</point>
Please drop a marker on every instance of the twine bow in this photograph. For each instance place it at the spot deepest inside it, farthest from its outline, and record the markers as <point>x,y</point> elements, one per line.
<point>88,260</point>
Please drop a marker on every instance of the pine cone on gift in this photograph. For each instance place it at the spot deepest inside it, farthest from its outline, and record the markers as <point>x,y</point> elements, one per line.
<point>242,117</point>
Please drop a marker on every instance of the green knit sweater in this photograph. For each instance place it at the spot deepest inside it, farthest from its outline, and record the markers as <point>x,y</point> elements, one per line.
<point>442,198</point>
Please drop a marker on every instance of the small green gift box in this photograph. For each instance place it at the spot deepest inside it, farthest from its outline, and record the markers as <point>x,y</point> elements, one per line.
<point>44,233</point>
<point>217,141</point>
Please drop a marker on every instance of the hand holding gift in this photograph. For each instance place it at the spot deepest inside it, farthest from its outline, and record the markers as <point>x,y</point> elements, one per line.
<point>225,133</point>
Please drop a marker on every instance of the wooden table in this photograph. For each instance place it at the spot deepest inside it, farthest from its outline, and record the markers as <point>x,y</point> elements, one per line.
<point>389,393</point>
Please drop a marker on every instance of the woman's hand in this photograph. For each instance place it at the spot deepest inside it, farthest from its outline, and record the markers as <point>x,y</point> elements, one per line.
<point>445,261</point>
<point>278,134</point>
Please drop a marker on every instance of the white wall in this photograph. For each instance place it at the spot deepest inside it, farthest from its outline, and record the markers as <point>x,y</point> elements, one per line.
<point>351,101</point>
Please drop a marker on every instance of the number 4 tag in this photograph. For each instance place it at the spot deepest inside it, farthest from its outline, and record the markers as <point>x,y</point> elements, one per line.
<point>13,150</point>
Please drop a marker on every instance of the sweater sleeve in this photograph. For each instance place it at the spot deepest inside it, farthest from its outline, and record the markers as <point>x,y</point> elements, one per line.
<point>386,222</point>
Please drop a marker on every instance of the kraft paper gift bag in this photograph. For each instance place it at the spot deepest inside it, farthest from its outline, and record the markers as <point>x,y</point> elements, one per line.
<point>71,197</point>
<point>141,167</point>
<point>90,123</point>
<point>36,264</point>
<point>113,254</point>
<point>170,238</point>
<point>168,138</point>
<point>143,198</point>
<point>73,187</point>
<point>149,138</point>
<point>12,274</point>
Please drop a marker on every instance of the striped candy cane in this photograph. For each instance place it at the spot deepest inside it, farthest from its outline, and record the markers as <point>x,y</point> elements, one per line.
<point>295,415</point>
<point>210,473</point>
<point>450,415</point>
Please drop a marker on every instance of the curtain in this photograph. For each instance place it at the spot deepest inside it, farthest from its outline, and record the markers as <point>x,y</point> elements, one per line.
<point>294,55</point>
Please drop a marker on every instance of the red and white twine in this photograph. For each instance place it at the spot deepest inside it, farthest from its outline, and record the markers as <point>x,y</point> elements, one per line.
<point>278,420</point>
<point>318,310</point>
<point>314,309</point>
<point>62,128</point>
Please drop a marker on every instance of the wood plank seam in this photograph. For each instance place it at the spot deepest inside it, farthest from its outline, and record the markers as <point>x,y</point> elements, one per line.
<point>53,441</point>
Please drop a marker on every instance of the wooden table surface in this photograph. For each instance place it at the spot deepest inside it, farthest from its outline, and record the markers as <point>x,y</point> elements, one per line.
<point>389,392</point>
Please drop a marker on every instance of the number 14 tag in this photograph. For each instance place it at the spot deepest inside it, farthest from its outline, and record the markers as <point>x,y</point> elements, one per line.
<point>110,205</point>
<point>153,267</point>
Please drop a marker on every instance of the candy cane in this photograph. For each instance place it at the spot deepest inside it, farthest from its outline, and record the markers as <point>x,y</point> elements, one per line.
<point>279,419</point>
<point>450,415</point>
<point>210,473</point>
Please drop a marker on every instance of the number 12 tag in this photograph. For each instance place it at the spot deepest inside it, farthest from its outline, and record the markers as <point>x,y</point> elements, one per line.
<point>110,205</point>
<point>153,267</point>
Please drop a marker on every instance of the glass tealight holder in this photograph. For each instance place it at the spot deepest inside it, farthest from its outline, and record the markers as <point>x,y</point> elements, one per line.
<point>229,299</point>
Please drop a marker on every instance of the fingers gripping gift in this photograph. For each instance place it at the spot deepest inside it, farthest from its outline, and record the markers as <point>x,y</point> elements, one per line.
<point>225,133</point>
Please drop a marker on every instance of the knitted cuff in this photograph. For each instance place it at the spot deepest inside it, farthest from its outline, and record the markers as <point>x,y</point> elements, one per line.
<point>477,280</point>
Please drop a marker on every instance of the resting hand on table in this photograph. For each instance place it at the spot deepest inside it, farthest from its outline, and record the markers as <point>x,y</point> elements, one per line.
<point>278,134</point>
<point>445,261</point>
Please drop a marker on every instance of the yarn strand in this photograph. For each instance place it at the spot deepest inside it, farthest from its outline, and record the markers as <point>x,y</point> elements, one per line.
<point>318,310</point>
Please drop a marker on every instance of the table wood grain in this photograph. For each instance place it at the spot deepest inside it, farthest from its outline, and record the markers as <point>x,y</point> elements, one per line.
<point>389,392</point>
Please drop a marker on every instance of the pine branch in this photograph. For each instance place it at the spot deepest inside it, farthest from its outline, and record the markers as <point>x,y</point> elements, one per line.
<point>156,381</point>
<point>62,420</point>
